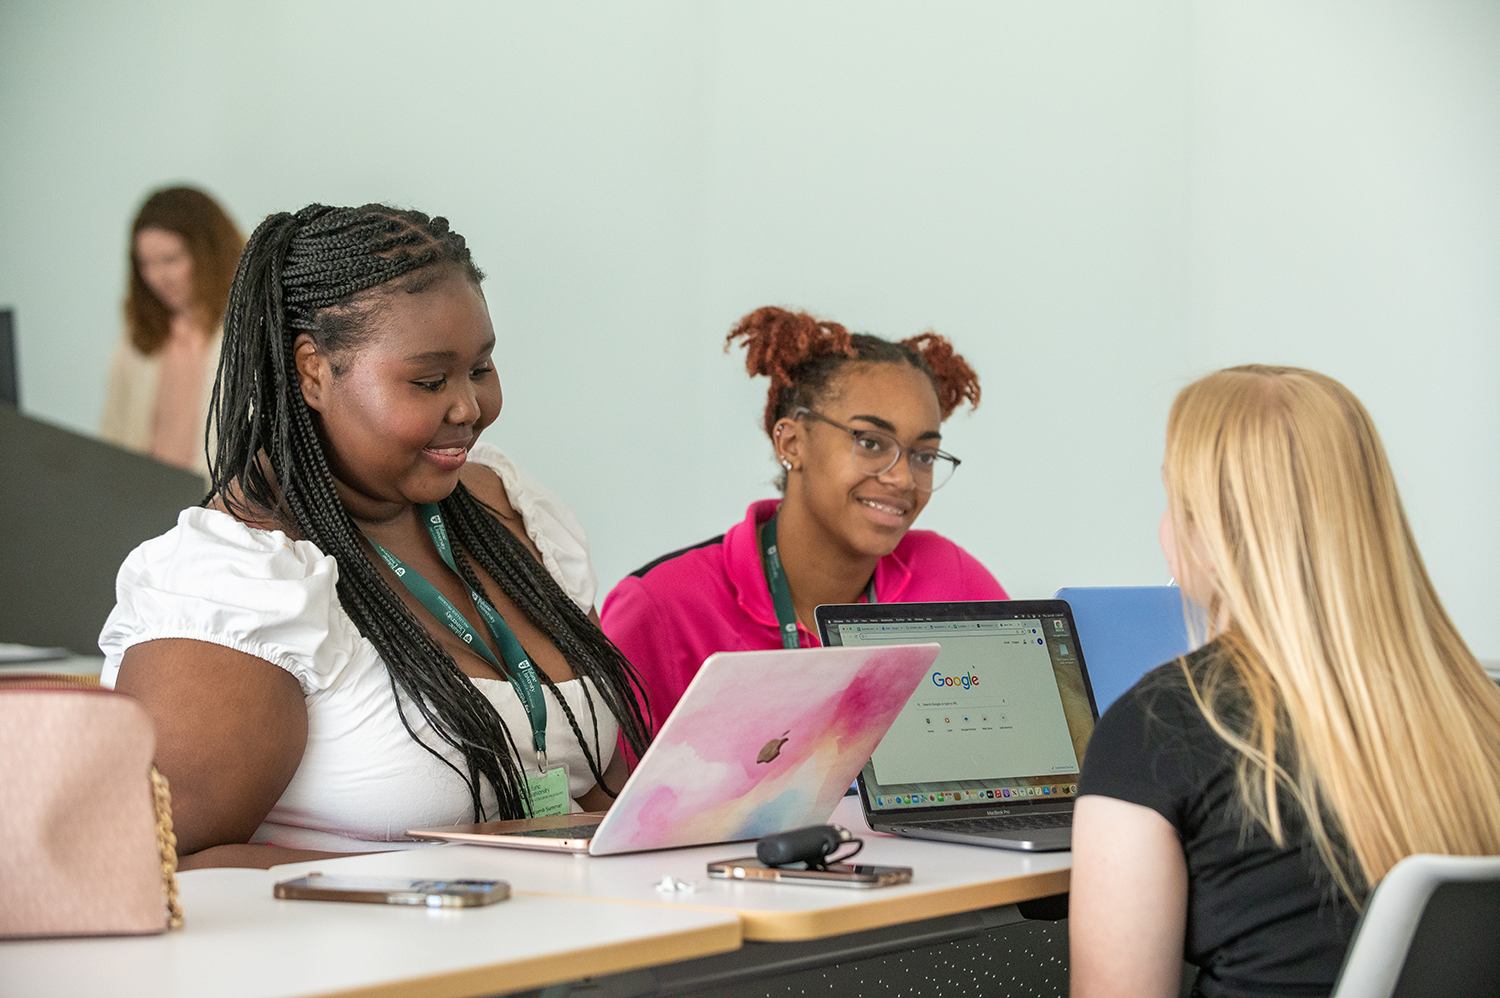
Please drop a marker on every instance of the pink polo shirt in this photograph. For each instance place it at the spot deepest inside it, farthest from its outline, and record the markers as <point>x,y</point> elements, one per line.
<point>674,613</point>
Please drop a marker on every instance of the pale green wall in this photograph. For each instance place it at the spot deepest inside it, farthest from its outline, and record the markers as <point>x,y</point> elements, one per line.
<point>1096,201</point>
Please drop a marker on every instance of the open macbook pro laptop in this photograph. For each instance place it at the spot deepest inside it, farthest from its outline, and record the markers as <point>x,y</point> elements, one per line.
<point>989,747</point>
<point>761,742</point>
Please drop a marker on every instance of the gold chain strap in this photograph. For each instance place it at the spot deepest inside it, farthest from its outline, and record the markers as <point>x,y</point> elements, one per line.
<point>166,845</point>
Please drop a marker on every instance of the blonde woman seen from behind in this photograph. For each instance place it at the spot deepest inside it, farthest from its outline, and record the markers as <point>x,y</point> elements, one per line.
<point>1237,806</point>
<point>183,251</point>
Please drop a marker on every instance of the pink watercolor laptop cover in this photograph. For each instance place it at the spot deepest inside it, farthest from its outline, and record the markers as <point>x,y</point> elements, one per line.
<point>761,742</point>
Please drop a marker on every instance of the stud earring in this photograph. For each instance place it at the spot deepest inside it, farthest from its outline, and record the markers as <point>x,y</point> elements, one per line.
<point>786,464</point>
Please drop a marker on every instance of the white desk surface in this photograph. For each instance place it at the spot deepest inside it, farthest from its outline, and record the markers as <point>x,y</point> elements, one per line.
<point>73,665</point>
<point>240,942</point>
<point>947,879</point>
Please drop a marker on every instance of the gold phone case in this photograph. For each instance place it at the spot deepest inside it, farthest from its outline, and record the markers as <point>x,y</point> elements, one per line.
<point>394,890</point>
<point>857,876</point>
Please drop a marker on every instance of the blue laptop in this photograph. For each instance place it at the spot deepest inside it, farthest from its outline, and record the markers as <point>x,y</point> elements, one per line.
<point>1128,630</point>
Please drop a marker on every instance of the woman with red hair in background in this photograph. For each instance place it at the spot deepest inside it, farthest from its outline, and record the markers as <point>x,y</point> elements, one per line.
<point>183,253</point>
<point>856,422</point>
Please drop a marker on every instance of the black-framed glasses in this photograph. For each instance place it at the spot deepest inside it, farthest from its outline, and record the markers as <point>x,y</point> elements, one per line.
<point>876,452</point>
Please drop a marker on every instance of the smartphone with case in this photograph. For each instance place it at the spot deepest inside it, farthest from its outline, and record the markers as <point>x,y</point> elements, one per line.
<point>856,875</point>
<point>395,890</point>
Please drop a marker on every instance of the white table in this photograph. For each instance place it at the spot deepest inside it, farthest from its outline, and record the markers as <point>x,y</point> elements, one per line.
<point>947,879</point>
<point>240,942</point>
<point>73,665</point>
<point>569,917</point>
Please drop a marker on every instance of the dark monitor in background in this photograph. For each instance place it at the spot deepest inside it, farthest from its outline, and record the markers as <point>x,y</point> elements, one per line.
<point>10,383</point>
<point>71,509</point>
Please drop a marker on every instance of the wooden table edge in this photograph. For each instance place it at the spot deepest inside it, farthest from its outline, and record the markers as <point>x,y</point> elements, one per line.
<point>556,968</point>
<point>877,913</point>
<point>766,925</point>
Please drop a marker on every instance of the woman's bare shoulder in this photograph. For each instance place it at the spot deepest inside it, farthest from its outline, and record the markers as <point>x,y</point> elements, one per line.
<point>485,485</point>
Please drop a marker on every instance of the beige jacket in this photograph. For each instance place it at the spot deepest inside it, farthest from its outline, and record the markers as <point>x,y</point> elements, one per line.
<point>130,397</point>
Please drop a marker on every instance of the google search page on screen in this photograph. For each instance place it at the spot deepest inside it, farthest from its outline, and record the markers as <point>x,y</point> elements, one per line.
<point>989,709</point>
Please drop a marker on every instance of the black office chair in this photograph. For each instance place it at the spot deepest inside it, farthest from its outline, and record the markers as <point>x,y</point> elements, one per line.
<point>1430,928</point>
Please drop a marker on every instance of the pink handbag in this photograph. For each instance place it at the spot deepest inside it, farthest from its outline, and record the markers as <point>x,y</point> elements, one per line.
<point>86,843</point>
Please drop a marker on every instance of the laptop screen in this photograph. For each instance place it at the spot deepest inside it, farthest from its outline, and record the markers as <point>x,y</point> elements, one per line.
<point>1004,715</point>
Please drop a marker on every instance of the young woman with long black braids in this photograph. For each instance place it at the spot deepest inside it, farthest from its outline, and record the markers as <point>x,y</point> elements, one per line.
<point>375,622</point>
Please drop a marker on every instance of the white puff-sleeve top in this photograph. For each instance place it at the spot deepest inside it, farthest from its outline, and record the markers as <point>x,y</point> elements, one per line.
<point>362,781</point>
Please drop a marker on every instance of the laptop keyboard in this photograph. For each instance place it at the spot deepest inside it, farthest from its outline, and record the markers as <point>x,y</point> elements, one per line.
<point>569,832</point>
<point>1003,823</point>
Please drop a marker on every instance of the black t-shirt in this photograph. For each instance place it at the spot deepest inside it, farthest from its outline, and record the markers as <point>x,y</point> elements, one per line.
<point>1261,919</point>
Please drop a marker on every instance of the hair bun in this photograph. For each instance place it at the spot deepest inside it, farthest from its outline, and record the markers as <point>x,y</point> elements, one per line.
<point>778,339</point>
<point>956,381</point>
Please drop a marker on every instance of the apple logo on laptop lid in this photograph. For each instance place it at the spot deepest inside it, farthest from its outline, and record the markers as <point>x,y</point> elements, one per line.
<point>771,749</point>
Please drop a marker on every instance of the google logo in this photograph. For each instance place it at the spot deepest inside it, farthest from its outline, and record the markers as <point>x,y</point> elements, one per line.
<point>966,680</point>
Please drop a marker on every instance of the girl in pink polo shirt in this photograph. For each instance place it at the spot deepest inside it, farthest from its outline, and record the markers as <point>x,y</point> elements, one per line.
<point>855,421</point>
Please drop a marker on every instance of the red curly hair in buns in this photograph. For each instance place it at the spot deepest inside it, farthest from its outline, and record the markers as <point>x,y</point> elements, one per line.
<point>802,355</point>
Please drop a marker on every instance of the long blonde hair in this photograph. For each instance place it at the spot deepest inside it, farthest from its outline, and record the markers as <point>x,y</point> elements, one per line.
<point>1353,692</point>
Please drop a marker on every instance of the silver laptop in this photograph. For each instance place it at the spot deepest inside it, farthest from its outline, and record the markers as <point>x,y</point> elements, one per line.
<point>989,748</point>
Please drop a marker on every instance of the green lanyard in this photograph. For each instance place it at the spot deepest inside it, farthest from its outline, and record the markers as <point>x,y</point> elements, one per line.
<point>518,667</point>
<point>781,593</point>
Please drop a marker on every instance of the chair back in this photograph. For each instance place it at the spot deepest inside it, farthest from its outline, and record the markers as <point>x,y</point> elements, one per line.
<point>1125,632</point>
<point>1431,927</point>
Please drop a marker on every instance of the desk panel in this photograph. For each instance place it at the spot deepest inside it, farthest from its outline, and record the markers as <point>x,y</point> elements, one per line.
<point>73,665</point>
<point>947,879</point>
<point>240,942</point>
